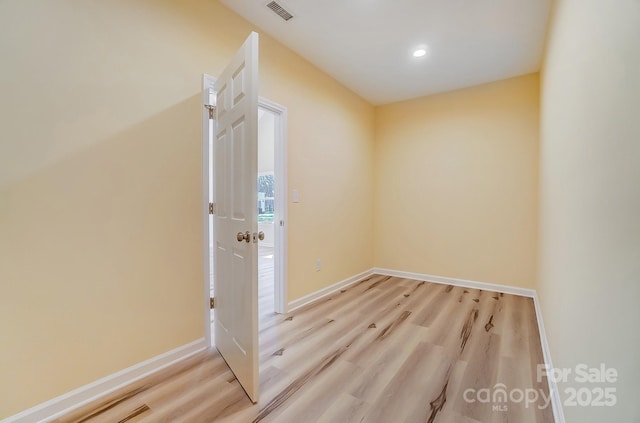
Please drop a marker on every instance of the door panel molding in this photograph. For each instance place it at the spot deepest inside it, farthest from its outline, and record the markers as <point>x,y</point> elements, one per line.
<point>280,112</point>
<point>236,261</point>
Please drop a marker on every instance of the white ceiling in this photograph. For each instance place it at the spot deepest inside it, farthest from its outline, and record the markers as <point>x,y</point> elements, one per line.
<point>367,44</point>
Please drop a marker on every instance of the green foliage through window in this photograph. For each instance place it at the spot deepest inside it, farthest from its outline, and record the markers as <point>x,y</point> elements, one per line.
<point>266,195</point>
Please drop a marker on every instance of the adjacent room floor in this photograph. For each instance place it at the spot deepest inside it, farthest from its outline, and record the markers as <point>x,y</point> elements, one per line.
<point>385,350</point>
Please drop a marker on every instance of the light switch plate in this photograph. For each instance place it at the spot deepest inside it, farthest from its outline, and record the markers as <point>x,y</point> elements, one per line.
<point>296,196</point>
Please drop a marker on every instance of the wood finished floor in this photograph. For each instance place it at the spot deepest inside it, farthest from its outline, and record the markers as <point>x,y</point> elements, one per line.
<point>385,350</point>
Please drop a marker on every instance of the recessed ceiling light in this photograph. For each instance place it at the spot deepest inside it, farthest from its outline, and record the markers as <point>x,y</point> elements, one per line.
<point>419,52</point>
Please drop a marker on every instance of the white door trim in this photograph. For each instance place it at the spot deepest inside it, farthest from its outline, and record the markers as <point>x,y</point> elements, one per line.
<point>280,164</point>
<point>208,83</point>
<point>280,221</point>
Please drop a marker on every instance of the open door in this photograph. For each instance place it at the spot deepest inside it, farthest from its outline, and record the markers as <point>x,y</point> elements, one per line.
<point>236,221</point>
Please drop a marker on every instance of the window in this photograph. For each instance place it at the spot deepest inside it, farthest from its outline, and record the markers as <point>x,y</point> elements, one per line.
<point>266,196</point>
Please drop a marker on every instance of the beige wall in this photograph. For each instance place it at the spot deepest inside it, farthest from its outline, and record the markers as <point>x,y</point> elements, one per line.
<point>590,197</point>
<point>100,182</point>
<point>456,183</point>
<point>330,163</point>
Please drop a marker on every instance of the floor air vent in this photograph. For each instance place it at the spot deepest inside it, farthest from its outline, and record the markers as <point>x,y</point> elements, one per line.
<point>279,10</point>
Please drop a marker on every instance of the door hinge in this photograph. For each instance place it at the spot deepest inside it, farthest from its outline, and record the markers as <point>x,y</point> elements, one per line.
<point>212,302</point>
<point>282,223</point>
<point>212,111</point>
<point>212,208</point>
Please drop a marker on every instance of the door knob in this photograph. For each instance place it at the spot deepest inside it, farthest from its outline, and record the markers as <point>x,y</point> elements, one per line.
<point>244,236</point>
<point>261,235</point>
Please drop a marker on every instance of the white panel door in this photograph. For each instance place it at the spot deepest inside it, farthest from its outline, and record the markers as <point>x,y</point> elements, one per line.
<point>236,221</point>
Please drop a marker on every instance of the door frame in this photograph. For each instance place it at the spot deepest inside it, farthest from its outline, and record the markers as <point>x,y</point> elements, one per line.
<point>280,229</point>
<point>280,202</point>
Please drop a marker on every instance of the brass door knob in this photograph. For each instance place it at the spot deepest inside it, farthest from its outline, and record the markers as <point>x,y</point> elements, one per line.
<point>261,236</point>
<point>243,236</point>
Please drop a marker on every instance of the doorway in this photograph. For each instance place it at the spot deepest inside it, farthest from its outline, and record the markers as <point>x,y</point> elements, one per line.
<point>266,212</point>
<point>271,204</point>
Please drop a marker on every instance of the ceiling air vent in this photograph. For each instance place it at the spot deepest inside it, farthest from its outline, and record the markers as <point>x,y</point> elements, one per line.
<point>279,10</point>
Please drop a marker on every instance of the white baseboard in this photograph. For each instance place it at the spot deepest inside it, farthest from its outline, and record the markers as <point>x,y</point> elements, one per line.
<point>70,401</point>
<point>314,296</point>
<point>507,289</point>
<point>556,402</point>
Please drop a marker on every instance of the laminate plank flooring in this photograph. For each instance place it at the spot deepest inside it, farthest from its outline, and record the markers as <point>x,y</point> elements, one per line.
<point>384,350</point>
